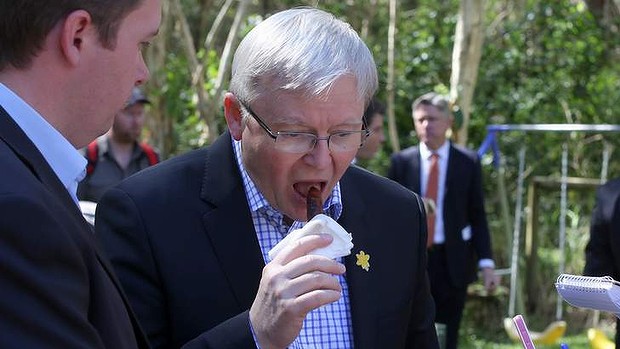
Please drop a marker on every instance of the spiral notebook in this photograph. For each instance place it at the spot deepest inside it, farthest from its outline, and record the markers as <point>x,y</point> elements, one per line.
<point>598,293</point>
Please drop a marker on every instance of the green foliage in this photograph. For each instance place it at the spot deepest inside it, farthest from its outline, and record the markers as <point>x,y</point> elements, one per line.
<point>550,62</point>
<point>424,53</point>
<point>550,65</point>
<point>474,341</point>
<point>180,103</point>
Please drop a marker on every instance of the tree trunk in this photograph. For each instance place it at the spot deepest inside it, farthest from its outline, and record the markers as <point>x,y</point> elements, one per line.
<point>468,41</point>
<point>389,86</point>
<point>367,20</point>
<point>605,12</point>
<point>195,67</point>
<point>158,122</point>
<point>227,53</point>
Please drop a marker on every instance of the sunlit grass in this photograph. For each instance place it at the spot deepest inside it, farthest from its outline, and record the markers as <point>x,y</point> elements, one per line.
<point>483,324</point>
<point>473,342</point>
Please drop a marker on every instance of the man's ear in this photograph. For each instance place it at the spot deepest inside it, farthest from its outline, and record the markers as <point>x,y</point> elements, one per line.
<point>233,115</point>
<point>76,30</point>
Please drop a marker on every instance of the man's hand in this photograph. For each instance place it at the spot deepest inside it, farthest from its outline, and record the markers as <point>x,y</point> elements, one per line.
<point>292,285</point>
<point>490,279</point>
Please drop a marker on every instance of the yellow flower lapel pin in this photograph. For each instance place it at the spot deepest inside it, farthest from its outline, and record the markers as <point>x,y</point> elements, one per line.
<point>363,260</point>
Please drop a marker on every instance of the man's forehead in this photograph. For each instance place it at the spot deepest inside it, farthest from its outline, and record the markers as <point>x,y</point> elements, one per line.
<point>426,110</point>
<point>299,107</point>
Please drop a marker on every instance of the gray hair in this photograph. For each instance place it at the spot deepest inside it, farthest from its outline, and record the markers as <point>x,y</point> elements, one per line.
<point>433,99</point>
<point>301,49</point>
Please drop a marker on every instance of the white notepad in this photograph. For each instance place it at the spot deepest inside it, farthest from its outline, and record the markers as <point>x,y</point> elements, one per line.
<point>593,292</point>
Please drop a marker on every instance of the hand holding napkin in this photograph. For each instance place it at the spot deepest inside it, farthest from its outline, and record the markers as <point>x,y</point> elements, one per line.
<point>320,224</point>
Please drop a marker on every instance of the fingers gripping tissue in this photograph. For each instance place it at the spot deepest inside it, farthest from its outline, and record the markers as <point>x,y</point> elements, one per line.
<point>321,224</point>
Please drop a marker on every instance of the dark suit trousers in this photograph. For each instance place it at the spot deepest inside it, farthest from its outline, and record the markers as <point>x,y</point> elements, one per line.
<point>449,300</point>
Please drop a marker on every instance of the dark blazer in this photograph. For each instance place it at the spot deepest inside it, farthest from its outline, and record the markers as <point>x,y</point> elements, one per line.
<point>603,248</point>
<point>181,238</point>
<point>463,206</point>
<point>56,290</point>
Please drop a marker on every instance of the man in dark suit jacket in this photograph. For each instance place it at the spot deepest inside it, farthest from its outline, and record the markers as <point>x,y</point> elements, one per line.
<point>56,288</point>
<point>603,249</point>
<point>461,236</point>
<point>189,237</point>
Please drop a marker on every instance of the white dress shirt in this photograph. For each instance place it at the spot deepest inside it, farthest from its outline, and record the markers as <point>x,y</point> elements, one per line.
<point>425,167</point>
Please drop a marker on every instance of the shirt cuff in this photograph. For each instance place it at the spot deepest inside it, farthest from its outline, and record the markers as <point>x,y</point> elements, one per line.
<point>486,263</point>
<point>253,334</point>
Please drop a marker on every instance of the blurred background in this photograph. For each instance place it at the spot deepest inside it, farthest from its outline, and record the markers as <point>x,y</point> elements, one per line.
<point>501,62</point>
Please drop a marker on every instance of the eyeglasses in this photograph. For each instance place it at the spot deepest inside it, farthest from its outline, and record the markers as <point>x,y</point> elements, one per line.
<point>304,142</point>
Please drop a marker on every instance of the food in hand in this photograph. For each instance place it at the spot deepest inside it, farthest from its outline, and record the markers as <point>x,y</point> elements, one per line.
<point>314,204</point>
<point>321,224</point>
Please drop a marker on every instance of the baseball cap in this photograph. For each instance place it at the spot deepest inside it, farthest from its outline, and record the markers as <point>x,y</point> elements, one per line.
<point>137,96</point>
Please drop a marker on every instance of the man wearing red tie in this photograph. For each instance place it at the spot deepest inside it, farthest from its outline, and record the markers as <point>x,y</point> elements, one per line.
<point>449,177</point>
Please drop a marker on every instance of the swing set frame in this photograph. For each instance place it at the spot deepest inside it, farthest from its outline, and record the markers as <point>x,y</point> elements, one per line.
<point>536,184</point>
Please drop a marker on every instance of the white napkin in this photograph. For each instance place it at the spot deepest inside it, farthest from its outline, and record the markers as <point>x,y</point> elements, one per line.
<point>321,224</point>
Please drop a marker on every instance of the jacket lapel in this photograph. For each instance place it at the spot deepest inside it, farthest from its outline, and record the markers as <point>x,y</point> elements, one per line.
<point>450,202</point>
<point>223,190</point>
<point>415,172</point>
<point>28,153</point>
<point>363,292</point>
<point>451,172</point>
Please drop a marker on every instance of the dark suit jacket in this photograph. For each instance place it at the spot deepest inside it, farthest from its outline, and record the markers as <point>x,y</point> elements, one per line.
<point>603,249</point>
<point>463,206</point>
<point>181,238</point>
<point>56,290</point>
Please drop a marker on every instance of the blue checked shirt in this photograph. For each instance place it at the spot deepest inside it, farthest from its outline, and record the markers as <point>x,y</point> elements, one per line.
<point>328,326</point>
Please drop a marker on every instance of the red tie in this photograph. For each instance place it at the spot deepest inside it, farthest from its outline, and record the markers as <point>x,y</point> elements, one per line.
<point>431,195</point>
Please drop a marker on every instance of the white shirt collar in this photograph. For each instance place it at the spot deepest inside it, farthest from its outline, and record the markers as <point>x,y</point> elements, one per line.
<point>442,151</point>
<point>66,161</point>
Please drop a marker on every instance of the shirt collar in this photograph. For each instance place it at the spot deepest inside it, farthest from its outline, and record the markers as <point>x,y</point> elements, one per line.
<point>442,151</point>
<point>66,161</point>
<point>257,202</point>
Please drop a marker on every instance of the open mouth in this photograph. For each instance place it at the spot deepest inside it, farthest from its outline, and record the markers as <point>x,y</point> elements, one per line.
<point>303,188</point>
<point>311,194</point>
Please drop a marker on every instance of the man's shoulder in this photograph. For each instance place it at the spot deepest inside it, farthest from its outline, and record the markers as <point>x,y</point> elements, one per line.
<point>21,190</point>
<point>411,150</point>
<point>462,150</point>
<point>406,153</point>
<point>16,174</point>
<point>611,187</point>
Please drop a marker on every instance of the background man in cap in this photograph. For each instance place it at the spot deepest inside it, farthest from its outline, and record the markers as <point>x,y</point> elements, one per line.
<point>118,154</point>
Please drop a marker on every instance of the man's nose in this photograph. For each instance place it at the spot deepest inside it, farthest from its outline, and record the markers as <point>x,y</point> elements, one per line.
<point>142,72</point>
<point>320,156</point>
